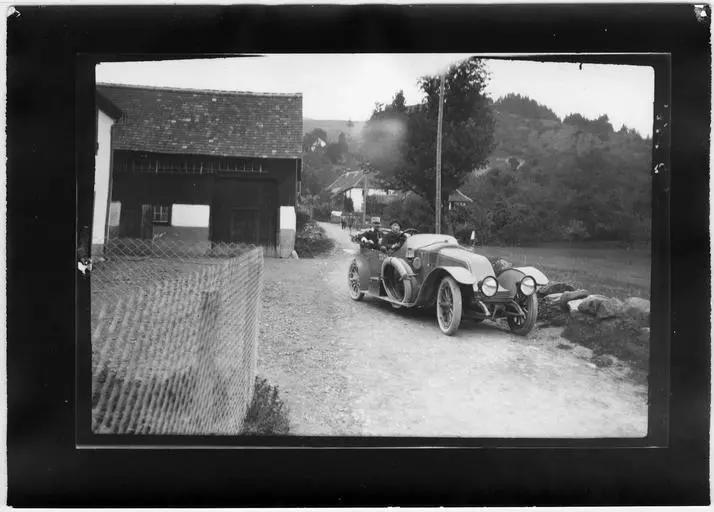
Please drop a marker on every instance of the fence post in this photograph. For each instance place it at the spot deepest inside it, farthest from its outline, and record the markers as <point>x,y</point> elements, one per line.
<point>205,357</point>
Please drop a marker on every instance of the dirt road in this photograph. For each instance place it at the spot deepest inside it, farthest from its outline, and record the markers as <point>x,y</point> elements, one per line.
<point>363,368</point>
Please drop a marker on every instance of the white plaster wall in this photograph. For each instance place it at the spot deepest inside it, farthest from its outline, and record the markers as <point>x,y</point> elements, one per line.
<point>190,215</point>
<point>287,217</point>
<point>356,195</point>
<point>102,161</point>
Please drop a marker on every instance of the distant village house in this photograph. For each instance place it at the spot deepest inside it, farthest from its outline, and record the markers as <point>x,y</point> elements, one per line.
<point>352,185</point>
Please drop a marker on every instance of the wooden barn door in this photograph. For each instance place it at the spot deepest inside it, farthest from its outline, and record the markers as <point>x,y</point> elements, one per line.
<point>245,211</point>
<point>245,225</point>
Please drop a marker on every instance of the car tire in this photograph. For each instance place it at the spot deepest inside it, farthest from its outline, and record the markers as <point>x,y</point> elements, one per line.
<point>353,282</point>
<point>449,305</point>
<point>523,326</point>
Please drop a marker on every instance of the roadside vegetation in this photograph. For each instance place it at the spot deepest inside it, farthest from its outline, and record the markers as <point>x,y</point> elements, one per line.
<point>311,240</point>
<point>267,414</point>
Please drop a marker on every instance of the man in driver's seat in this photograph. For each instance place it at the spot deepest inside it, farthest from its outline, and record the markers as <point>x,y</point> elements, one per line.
<point>395,238</point>
<point>372,235</point>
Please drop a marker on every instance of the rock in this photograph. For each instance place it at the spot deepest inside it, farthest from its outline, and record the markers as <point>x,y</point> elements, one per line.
<point>294,255</point>
<point>499,264</point>
<point>572,306</point>
<point>555,287</point>
<point>591,304</point>
<point>553,297</point>
<point>609,308</point>
<point>566,297</point>
<point>603,360</point>
<point>638,310</point>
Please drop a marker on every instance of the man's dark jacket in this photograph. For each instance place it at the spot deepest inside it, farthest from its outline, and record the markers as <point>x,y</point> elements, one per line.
<point>372,235</point>
<point>389,239</point>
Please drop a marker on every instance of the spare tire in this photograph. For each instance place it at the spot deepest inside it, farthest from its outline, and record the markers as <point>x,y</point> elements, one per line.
<point>396,279</point>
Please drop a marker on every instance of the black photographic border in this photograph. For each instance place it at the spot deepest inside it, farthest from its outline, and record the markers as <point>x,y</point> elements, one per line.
<point>50,106</point>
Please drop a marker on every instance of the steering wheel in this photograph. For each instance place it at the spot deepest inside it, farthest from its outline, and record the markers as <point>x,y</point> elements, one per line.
<point>410,231</point>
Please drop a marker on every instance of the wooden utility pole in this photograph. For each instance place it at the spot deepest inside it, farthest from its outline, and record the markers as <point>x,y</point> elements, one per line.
<point>437,199</point>
<point>364,197</point>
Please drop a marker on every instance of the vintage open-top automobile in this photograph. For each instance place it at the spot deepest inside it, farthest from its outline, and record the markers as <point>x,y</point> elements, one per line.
<point>431,269</point>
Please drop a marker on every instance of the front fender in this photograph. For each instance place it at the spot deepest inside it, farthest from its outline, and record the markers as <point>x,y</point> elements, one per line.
<point>510,277</point>
<point>461,275</point>
<point>536,274</point>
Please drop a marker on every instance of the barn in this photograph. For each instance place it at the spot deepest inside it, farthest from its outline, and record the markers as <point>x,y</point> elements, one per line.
<point>205,166</point>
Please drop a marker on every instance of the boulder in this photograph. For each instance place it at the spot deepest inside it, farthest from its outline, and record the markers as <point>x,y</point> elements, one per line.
<point>500,264</point>
<point>590,304</point>
<point>572,305</point>
<point>294,255</point>
<point>601,307</point>
<point>566,297</point>
<point>555,287</point>
<point>638,310</point>
<point>609,308</point>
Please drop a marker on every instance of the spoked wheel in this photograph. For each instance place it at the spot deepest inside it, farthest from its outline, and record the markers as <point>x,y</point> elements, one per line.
<point>521,325</point>
<point>353,282</point>
<point>448,306</point>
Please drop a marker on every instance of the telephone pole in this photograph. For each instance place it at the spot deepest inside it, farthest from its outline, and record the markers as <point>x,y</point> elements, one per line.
<point>437,200</point>
<point>364,197</point>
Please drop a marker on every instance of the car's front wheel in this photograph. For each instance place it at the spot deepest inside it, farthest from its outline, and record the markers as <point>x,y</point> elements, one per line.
<point>449,305</point>
<point>353,282</point>
<point>523,325</point>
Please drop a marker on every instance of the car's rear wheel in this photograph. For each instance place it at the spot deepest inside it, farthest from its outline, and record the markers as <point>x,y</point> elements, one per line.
<point>449,306</point>
<point>523,325</point>
<point>353,282</point>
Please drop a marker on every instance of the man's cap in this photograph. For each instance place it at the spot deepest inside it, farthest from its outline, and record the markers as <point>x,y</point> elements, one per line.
<point>395,222</point>
<point>376,220</point>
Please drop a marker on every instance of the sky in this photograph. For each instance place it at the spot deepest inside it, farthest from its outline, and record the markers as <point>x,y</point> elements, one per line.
<point>347,86</point>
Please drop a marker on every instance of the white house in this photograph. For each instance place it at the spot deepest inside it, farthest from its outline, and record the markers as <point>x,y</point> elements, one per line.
<point>107,115</point>
<point>351,185</point>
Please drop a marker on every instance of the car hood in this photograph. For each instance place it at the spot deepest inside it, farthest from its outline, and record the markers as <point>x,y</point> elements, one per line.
<point>479,265</point>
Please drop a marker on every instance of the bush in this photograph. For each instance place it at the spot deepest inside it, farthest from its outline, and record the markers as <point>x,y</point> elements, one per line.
<point>311,241</point>
<point>412,212</point>
<point>322,212</point>
<point>301,218</point>
<point>267,414</point>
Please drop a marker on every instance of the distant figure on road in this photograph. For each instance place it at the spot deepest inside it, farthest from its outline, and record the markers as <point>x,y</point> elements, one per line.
<point>342,222</point>
<point>351,222</point>
<point>395,238</point>
<point>372,235</point>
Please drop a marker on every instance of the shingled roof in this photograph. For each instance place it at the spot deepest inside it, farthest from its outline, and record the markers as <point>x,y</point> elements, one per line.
<point>200,122</point>
<point>353,179</point>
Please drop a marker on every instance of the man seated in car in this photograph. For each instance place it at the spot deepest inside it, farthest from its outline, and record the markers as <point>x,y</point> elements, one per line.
<point>372,235</point>
<point>395,238</point>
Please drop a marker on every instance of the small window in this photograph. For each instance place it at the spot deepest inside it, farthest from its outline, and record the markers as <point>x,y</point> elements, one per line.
<point>161,213</point>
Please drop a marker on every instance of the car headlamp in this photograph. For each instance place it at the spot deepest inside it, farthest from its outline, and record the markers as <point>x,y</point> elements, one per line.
<point>416,263</point>
<point>527,286</point>
<point>489,286</point>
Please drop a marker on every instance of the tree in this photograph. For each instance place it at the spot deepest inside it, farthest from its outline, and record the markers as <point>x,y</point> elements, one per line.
<point>400,142</point>
<point>525,107</point>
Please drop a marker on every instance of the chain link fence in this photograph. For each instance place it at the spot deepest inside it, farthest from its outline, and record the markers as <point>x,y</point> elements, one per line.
<point>174,336</point>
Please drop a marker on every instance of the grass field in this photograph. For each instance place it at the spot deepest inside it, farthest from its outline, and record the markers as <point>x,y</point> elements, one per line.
<point>610,271</point>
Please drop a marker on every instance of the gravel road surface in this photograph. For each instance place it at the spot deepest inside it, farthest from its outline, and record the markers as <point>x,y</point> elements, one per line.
<point>365,369</point>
